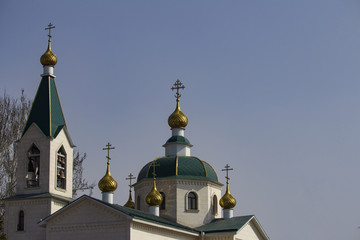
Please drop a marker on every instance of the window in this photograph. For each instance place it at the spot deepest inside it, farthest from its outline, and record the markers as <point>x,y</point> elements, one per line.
<point>61,169</point>
<point>138,202</point>
<point>20,226</point>
<point>162,206</point>
<point>215,205</point>
<point>192,201</point>
<point>33,168</point>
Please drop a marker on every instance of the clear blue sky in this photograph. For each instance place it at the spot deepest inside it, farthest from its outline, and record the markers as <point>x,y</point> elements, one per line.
<point>272,88</point>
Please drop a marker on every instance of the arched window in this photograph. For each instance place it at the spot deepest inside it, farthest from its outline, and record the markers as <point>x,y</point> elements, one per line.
<point>61,168</point>
<point>20,226</point>
<point>138,202</point>
<point>215,205</point>
<point>192,201</point>
<point>162,206</point>
<point>33,167</point>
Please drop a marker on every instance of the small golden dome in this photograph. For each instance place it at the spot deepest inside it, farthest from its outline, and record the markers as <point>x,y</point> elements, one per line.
<point>227,201</point>
<point>130,203</point>
<point>107,183</point>
<point>154,198</point>
<point>177,119</point>
<point>48,58</point>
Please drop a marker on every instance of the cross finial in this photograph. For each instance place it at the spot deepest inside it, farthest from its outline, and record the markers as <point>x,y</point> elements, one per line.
<point>153,165</point>
<point>227,169</point>
<point>130,177</point>
<point>108,148</point>
<point>177,85</point>
<point>50,26</point>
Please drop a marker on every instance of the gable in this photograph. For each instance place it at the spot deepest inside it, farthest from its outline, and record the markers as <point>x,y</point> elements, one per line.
<point>87,219</point>
<point>251,231</point>
<point>86,211</point>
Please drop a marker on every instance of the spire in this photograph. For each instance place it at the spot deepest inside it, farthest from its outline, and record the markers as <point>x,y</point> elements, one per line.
<point>108,184</point>
<point>46,110</point>
<point>49,58</point>
<point>130,203</point>
<point>177,119</point>
<point>227,202</point>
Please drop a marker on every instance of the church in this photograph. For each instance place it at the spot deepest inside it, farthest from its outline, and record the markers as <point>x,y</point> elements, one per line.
<point>176,196</point>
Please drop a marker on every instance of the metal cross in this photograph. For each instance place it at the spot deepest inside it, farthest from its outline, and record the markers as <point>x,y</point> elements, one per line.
<point>50,26</point>
<point>130,177</point>
<point>177,85</point>
<point>153,164</point>
<point>108,148</point>
<point>227,169</point>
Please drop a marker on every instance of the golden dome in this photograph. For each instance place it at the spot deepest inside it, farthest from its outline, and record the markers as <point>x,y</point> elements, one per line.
<point>177,119</point>
<point>130,203</point>
<point>154,198</point>
<point>107,183</point>
<point>48,58</point>
<point>227,201</point>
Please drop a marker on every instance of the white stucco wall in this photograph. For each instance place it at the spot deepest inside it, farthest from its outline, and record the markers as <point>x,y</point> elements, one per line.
<point>88,220</point>
<point>176,191</point>
<point>34,210</point>
<point>48,155</point>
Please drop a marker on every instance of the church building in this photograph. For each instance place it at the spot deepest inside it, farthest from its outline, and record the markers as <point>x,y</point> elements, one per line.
<point>176,196</point>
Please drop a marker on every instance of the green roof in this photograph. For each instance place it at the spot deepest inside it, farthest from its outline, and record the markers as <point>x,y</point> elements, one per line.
<point>38,195</point>
<point>178,139</point>
<point>181,167</point>
<point>46,110</point>
<point>225,225</point>
<point>147,216</point>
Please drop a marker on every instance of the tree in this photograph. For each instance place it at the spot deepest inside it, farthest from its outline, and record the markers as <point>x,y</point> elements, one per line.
<point>13,117</point>
<point>79,182</point>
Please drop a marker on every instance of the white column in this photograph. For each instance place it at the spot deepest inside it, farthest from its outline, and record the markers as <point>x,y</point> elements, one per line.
<point>48,71</point>
<point>154,210</point>
<point>108,197</point>
<point>228,213</point>
<point>178,132</point>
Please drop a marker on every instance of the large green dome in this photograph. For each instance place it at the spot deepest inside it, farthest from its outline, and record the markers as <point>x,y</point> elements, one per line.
<point>181,167</point>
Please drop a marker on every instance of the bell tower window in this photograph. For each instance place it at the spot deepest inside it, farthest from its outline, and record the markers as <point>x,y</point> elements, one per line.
<point>33,167</point>
<point>138,202</point>
<point>61,169</point>
<point>215,205</point>
<point>20,226</point>
<point>192,201</point>
<point>162,206</point>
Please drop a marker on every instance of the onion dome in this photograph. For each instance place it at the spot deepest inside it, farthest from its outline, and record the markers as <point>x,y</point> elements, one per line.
<point>48,58</point>
<point>107,183</point>
<point>177,119</point>
<point>130,203</point>
<point>227,201</point>
<point>154,198</point>
<point>179,167</point>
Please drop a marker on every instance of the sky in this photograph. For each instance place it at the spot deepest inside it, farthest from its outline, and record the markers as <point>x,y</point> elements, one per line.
<point>272,89</point>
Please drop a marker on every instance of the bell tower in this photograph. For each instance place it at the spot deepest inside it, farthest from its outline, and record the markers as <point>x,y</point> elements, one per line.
<point>44,160</point>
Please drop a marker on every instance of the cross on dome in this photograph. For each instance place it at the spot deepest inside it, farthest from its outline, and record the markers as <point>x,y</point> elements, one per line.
<point>153,164</point>
<point>177,85</point>
<point>130,177</point>
<point>227,169</point>
<point>108,148</point>
<point>50,26</point>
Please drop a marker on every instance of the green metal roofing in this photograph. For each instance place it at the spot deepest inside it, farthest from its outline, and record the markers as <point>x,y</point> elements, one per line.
<point>38,195</point>
<point>182,167</point>
<point>225,225</point>
<point>147,216</point>
<point>129,212</point>
<point>46,110</point>
<point>178,139</point>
